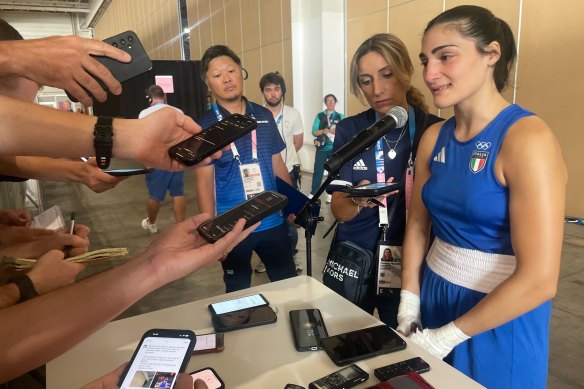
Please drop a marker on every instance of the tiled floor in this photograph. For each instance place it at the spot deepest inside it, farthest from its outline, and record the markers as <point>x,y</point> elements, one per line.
<point>115,217</point>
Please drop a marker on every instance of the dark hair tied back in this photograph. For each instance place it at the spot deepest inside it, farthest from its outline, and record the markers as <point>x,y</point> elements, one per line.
<point>483,27</point>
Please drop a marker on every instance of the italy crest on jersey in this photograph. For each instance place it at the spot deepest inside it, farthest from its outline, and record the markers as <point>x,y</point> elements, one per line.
<point>478,160</point>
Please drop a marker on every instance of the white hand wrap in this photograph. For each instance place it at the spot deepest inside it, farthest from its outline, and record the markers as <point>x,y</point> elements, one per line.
<point>408,313</point>
<point>440,341</point>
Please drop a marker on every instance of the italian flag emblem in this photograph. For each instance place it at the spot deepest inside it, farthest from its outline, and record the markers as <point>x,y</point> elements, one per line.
<point>478,161</point>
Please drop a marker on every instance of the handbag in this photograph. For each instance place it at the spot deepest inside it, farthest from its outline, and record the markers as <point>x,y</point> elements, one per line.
<point>351,270</point>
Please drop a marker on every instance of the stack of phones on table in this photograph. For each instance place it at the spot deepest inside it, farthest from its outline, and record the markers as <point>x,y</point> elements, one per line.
<point>242,312</point>
<point>252,210</point>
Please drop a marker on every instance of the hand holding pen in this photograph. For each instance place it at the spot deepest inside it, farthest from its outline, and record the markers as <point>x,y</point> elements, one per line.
<point>71,230</point>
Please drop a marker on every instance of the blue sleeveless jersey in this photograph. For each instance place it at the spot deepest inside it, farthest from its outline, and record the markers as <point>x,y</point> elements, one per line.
<point>468,205</point>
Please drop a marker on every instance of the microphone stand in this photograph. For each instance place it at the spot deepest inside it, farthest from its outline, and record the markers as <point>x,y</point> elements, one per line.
<point>310,221</point>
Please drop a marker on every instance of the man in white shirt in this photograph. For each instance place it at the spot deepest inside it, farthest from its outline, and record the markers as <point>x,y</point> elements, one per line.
<point>161,181</point>
<point>291,130</point>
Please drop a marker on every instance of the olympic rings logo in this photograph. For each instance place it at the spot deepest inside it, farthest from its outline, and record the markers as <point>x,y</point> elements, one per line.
<point>483,145</point>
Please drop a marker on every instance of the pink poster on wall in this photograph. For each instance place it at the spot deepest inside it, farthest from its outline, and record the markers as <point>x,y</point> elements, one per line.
<point>165,82</point>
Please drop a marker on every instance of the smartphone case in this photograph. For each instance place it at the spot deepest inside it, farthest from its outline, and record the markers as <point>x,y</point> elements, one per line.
<point>304,321</point>
<point>127,41</point>
<point>342,351</point>
<point>211,378</point>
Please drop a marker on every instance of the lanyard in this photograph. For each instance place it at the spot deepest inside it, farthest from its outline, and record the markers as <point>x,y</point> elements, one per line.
<point>254,144</point>
<point>380,162</point>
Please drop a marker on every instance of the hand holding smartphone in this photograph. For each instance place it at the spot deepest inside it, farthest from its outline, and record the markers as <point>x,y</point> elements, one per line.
<point>252,210</point>
<point>159,357</point>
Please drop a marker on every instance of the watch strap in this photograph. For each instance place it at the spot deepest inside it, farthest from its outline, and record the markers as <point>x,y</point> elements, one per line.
<point>103,141</point>
<point>25,287</point>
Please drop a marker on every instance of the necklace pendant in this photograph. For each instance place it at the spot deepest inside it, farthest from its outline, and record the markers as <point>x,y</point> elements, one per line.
<point>391,154</point>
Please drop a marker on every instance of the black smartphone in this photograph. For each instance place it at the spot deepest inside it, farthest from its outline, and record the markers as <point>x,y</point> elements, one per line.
<point>198,147</point>
<point>209,343</point>
<point>342,379</point>
<point>361,344</point>
<point>293,386</point>
<point>252,210</point>
<point>409,380</point>
<point>209,376</point>
<point>159,357</point>
<point>236,304</point>
<point>121,167</point>
<point>308,329</point>
<point>244,318</point>
<point>372,190</point>
<point>414,364</point>
<point>127,41</point>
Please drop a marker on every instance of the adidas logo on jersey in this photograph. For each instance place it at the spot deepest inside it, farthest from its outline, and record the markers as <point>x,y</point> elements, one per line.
<point>359,165</point>
<point>441,156</point>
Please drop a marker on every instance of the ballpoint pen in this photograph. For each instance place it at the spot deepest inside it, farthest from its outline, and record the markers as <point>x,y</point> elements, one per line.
<point>71,229</point>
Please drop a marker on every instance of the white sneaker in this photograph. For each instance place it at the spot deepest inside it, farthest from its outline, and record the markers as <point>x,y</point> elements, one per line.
<point>329,198</point>
<point>152,228</point>
<point>298,265</point>
<point>260,268</point>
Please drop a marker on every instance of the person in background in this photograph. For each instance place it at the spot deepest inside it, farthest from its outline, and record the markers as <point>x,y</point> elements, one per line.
<point>221,185</point>
<point>324,128</point>
<point>380,75</point>
<point>161,181</point>
<point>484,298</point>
<point>291,130</point>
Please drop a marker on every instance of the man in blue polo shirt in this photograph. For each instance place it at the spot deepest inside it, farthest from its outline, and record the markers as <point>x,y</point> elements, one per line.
<point>224,184</point>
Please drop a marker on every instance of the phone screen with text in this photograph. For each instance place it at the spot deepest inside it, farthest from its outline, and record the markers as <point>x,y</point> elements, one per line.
<point>206,342</point>
<point>238,304</point>
<point>156,363</point>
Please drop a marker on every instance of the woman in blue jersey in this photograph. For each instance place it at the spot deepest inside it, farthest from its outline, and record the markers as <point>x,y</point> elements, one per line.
<point>381,72</point>
<point>494,265</point>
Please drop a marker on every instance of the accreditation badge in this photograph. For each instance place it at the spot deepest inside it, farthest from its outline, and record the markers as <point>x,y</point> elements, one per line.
<point>388,267</point>
<point>251,176</point>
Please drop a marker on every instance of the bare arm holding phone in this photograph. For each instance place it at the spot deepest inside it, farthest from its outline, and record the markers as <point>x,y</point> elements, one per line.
<point>63,62</point>
<point>30,129</point>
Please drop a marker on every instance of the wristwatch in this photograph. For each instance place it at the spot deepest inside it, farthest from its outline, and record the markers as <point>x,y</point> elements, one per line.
<point>102,141</point>
<point>25,287</point>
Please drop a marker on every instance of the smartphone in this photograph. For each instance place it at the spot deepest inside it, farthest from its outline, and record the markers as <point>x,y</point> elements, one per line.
<point>244,318</point>
<point>121,167</point>
<point>409,380</point>
<point>293,386</point>
<point>372,190</point>
<point>414,364</point>
<point>252,210</point>
<point>308,329</point>
<point>159,357</point>
<point>361,344</point>
<point>251,301</point>
<point>342,379</point>
<point>127,41</point>
<point>209,376</point>
<point>198,147</point>
<point>209,343</point>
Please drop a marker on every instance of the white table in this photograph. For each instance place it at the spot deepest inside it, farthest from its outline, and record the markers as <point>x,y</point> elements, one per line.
<point>258,357</point>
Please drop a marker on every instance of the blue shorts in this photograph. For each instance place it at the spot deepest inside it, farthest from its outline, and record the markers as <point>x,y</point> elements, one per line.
<point>161,181</point>
<point>513,355</point>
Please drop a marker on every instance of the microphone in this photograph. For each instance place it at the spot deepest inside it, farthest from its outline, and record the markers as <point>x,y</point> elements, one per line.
<point>395,117</point>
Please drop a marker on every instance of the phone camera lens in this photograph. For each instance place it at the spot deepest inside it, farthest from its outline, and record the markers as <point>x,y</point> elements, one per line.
<point>114,44</point>
<point>130,39</point>
<point>123,41</point>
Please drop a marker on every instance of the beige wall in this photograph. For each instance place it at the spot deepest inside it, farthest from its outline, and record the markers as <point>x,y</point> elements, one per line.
<point>259,31</point>
<point>548,69</point>
<point>156,22</point>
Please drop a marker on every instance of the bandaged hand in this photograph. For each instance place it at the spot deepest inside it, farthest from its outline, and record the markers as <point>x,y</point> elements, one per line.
<point>408,314</point>
<point>439,341</point>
